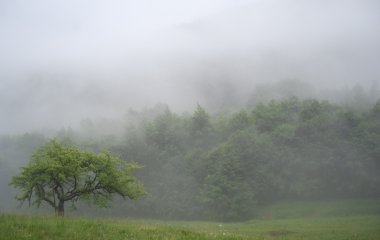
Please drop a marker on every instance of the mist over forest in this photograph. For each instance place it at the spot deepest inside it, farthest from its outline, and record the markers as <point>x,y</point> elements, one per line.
<point>64,62</point>
<point>228,105</point>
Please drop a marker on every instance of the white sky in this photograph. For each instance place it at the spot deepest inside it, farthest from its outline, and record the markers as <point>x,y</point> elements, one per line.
<point>98,57</point>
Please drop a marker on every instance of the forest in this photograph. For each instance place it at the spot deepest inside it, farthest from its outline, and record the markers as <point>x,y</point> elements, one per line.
<point>217,119</point>
<point>224,166</point>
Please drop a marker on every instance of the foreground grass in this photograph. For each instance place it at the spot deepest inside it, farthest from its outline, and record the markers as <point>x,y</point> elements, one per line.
<point>321,209</point>
<point>359,220</point>
<point>26,227</point>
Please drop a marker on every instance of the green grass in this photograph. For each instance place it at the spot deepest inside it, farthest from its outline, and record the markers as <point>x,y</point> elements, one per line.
<point>26,227</point>
<point>332,208</point>
<point>354,219</point>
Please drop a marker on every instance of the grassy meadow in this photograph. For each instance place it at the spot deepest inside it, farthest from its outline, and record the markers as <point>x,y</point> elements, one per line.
<point>354,219</point>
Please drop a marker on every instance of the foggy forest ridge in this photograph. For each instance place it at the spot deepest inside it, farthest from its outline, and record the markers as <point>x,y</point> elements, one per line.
<point>174,119</point>
<point>226,166</point>
<point>96,106</point>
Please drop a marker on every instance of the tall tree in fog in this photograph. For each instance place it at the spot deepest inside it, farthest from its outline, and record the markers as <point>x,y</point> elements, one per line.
<point>57,174</point>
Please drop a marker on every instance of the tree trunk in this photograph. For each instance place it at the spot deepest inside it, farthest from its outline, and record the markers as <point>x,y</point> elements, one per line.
<point>61,208</point>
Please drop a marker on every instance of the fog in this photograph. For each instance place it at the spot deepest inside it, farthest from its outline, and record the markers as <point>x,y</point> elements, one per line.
<point>64,61</point>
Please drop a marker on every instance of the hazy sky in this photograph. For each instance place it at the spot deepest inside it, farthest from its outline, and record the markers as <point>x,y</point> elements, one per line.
<point>61,61</point>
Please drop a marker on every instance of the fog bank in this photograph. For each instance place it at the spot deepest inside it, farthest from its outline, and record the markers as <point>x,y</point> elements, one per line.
<point>65,61</point>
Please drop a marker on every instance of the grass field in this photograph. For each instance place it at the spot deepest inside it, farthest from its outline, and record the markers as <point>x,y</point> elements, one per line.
<point>359,219</point>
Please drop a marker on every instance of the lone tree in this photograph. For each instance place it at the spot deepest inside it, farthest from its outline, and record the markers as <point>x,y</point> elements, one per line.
<point>57,174</point>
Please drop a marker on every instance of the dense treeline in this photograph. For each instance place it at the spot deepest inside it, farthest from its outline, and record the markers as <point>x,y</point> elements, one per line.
<point>224,166</point>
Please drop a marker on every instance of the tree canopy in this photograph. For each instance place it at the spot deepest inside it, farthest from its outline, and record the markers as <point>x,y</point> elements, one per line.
<point>57,174</point>
<point>216,166</point>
